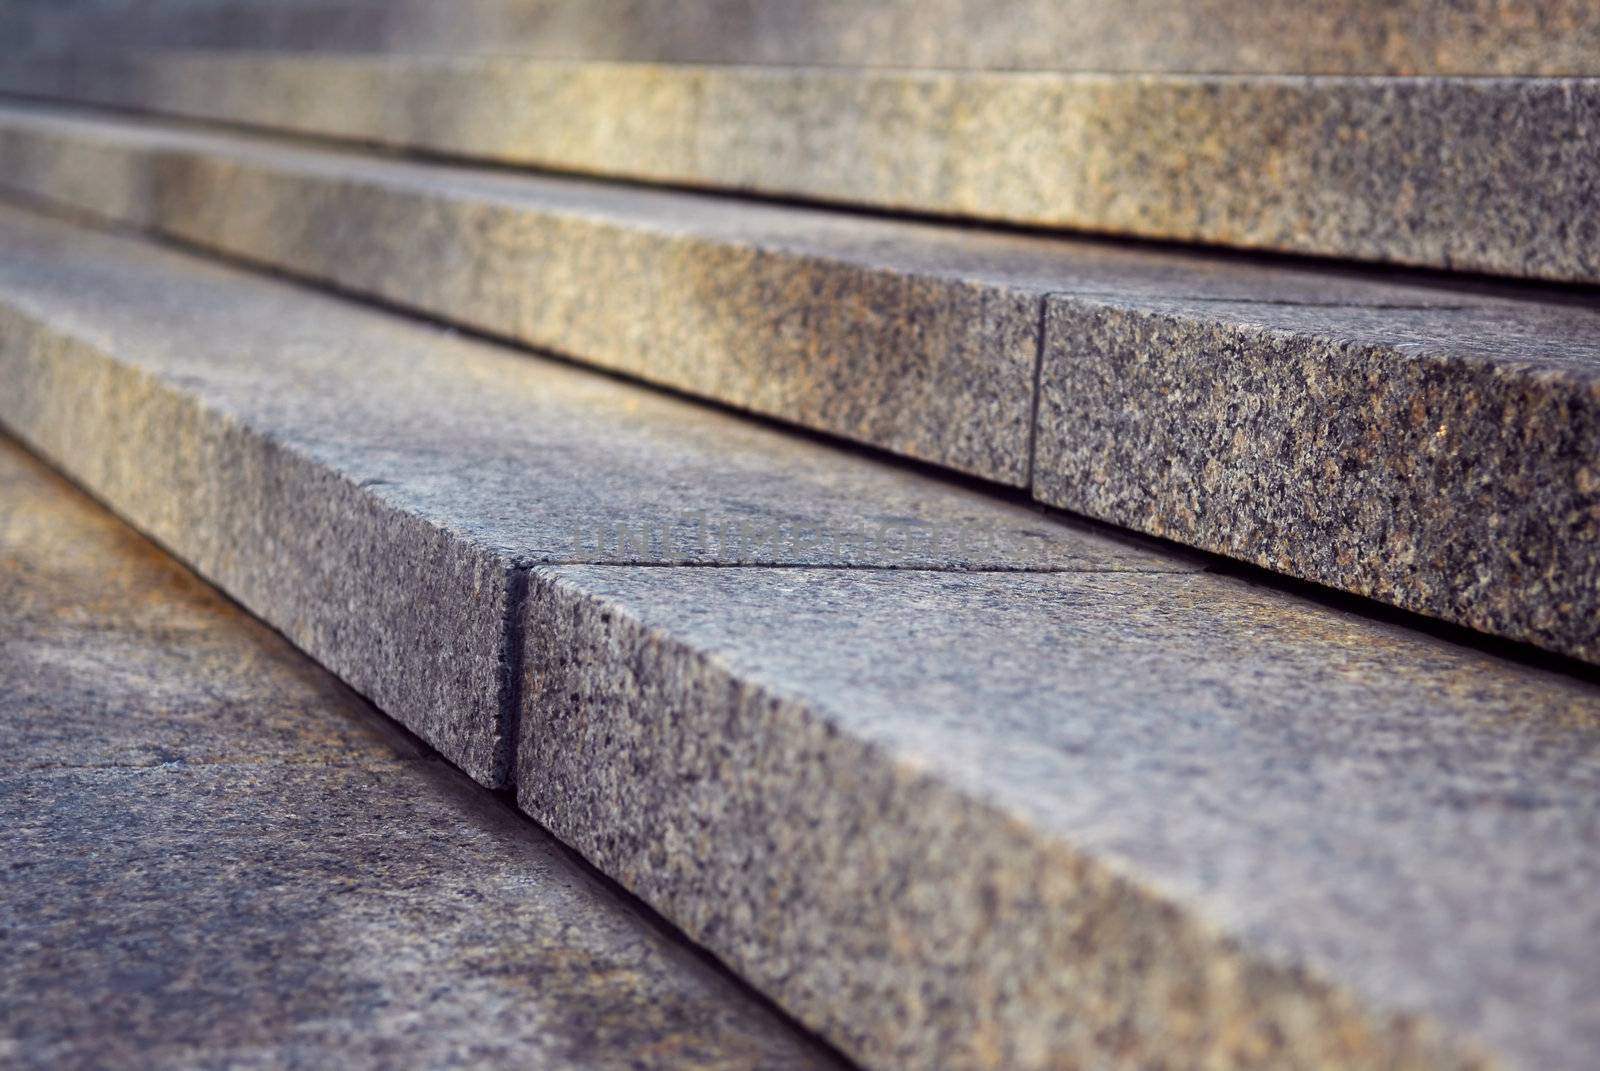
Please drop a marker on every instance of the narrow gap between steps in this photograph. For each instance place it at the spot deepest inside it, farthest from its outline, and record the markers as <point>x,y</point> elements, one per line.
<point>1476,282</point>
<point>1040,332</point>
<point>509,716</point>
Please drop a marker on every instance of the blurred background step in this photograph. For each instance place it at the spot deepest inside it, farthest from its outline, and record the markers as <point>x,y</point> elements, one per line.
<point>1428,442</point>
<point>1471,174</point>
<point>1057,800</point>
<point>1407,37</point>
<point>218,856</point>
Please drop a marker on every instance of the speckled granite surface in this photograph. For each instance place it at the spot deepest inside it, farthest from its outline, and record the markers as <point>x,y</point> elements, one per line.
<point>917,339</point>
<point>1307,420</point>
<point>1478,174</point>
<point>851,327</point>
<point>331,466</point>
<point>1075,820</point>
<point>217,856</point>
<point>1446,460</point>
<point>1268,36</point>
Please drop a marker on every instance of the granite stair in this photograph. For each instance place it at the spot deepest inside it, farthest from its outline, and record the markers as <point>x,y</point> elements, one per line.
<point>976,786</point>
<point>1293,416</point>
<point>1032,534</point>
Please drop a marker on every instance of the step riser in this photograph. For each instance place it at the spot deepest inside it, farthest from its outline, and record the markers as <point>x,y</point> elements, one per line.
<point>1425,172</point>
<point>1408,37</point>
<point>1435,449</point>
<point>1464,490</point>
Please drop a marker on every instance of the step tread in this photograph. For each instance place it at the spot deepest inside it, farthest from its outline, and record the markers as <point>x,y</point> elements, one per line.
<point>938,814</point>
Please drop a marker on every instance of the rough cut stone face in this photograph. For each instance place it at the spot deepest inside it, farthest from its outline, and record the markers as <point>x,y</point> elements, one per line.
<point>1402,37</point>
<point>1475,174</point>
<point>218,856</point>
<point>1035,821</point>
<point>1446,460</point>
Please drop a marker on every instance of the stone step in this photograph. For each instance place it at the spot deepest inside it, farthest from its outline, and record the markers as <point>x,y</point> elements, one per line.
<point>217,856</point>
<point>1472,174</point>
<point>1407,37</point>
<point>461,465</point>
<point>1061,801</point>
<point>1416,440</point>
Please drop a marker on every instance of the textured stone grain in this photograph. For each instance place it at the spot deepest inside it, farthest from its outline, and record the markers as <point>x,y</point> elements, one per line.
<point>371,487</point>
<point>1445,460</point>
<point>912,337</point>
<point>850,327</point>
<point>1476,174</point>
<point>300,544</point>
<point>1028,821</point>
<point>917,339</point>
<point>1410,37</point>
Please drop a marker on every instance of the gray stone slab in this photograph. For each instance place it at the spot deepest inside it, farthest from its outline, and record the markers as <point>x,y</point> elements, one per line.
<point>916,339</point>
<point>374,488</point>
<point>1090,820</point>
<point>269,916</point>
<point>1446,460</point>
<point>921,352</point>
<point>1478,174</point>
<point>854,329</point>
<point>1407,37</point>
